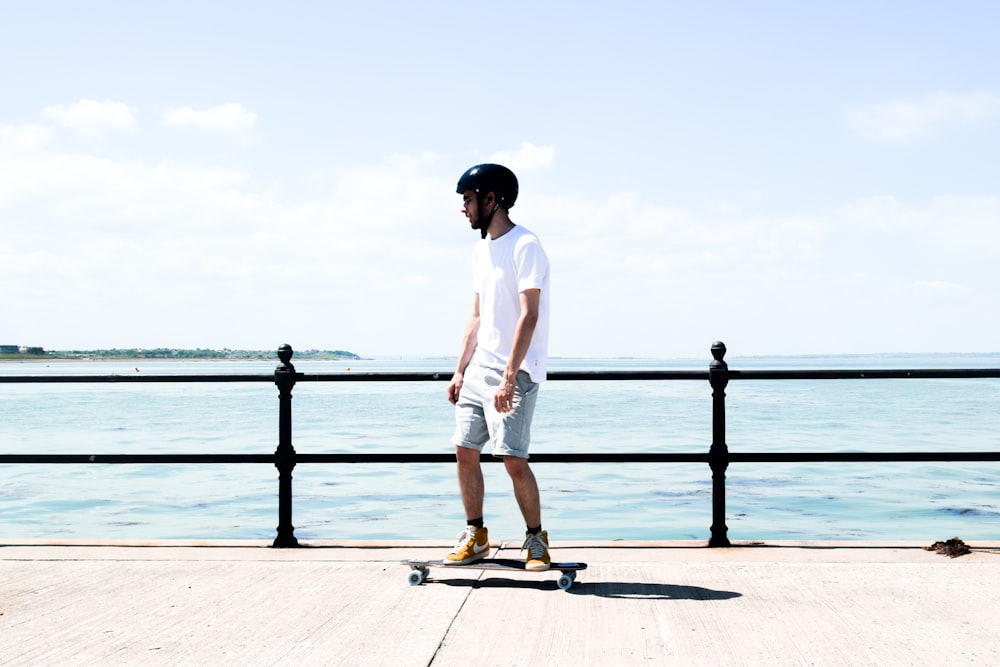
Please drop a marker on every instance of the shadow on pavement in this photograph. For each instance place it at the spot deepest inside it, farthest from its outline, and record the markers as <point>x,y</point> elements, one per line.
<point>638,591</point>
<point>605,589</point>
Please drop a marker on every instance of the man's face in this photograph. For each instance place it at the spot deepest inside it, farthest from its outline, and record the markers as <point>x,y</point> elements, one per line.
<point>470,207</point>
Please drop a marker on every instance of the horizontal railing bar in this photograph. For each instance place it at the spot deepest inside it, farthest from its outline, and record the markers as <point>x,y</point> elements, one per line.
<point>138,377</point>
<point>343,457</point>
<point>137,458</point>
<point>599,457</point>
<point>373,377</point>
<point>642,457</point>
<point>870,374</point>
<point>876,374</point>
<point>875,457</point>
<point>552,375</point>
<point>628,375</point>
<point>346,377</point>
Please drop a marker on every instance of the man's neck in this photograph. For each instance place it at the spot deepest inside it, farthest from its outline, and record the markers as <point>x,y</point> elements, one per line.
<point>499,225</point>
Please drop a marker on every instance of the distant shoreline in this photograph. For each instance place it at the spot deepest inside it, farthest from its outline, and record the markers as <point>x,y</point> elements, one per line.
<point>70,360</point>
<point>162,354</point>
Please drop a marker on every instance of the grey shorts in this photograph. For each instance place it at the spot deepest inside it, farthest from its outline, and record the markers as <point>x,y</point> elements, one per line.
<point>478,422</point>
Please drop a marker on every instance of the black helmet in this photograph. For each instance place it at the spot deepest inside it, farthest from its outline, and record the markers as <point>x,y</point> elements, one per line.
<point>493,178</point>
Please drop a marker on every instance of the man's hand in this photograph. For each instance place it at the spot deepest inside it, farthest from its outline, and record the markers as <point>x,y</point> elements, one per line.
<point>455,387</point>
<point>503,401</point>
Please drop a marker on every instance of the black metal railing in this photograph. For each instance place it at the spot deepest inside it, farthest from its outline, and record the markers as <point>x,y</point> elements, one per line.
<point>718,457</point>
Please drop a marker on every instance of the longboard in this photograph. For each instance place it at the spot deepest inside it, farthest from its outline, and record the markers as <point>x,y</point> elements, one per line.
<point>420,569</point>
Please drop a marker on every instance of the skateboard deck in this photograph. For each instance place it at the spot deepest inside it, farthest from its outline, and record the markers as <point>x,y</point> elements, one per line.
<point>420,569</point>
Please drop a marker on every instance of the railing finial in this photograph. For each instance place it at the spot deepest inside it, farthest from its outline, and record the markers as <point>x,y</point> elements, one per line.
<point>285,353</point>
<point>718,351</point>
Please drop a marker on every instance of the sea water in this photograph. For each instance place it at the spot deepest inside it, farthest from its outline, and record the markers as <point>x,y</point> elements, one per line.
<point>765,501</point>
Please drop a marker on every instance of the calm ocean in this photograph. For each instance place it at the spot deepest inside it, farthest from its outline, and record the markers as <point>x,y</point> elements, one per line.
<point>912,501</point>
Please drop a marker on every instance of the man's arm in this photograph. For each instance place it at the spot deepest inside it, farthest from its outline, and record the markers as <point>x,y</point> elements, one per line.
<point>504,398</point>
<point>468,348</point>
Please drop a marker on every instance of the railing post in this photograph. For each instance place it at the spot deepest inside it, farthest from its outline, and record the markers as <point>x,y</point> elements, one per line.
<point>284,377</point>
<point>718,454</point>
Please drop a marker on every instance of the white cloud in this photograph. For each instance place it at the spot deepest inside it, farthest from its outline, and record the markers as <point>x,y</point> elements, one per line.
<point>28,137</point>
<point>92,118</point>
<point>167,242</point>
<point>970,221</point>
<point>938,286</point>
<point>885,213</point>
<point>526,158</point>
<point>230,117</point>
<point>181,254</point>
<point>903,120</point>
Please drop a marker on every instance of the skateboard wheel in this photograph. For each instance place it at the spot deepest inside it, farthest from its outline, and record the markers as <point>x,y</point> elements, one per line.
<point>565,581</point>
<point>416,577</point>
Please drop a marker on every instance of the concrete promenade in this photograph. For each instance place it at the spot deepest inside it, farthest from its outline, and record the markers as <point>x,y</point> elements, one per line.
<point>349,603</point>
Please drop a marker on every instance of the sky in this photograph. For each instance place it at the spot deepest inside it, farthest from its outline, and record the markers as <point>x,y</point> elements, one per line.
<point>786,177</point>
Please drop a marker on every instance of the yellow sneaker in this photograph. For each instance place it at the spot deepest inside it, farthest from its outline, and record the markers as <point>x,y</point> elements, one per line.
<point>538,551</point>
<point>473,544</point>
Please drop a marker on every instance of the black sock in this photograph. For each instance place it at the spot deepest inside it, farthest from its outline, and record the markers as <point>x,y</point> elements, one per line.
<point>476,523</point>
<point>534,531</point>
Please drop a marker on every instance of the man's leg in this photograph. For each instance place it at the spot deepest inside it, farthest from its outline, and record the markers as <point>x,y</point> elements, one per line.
<point>470,481</point>
<point>474,542</point>
<point>525,489</point>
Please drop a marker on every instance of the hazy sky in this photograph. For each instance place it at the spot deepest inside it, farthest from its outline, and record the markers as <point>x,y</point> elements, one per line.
<point>788,177</point>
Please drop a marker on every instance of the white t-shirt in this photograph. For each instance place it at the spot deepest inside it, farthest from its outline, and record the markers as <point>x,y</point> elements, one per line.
<point>502,269</point>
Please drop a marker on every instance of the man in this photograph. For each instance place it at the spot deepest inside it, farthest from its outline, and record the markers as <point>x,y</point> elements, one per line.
<point>503,359</point>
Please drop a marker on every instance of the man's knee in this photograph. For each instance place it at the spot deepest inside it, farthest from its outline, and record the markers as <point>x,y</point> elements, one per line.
<point>466,456</point>
<point>517,467</point>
